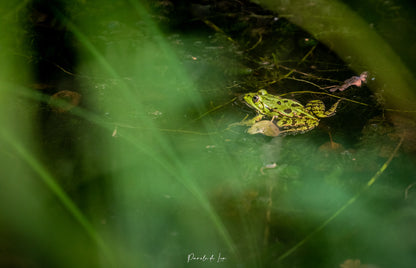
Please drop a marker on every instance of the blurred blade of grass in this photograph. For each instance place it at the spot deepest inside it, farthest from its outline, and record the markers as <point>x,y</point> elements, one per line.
<point>53,186</point>
<point>176,169</point>
<point>157,150</point>
<point>345,32</point>
<point>347,204</point>
<point>27,218</point>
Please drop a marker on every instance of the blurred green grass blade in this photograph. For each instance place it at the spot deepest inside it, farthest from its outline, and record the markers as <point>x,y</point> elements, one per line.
<point>344,207</point>
<point>149,57</point>
<point>50,182</point>
<point>345,32</point>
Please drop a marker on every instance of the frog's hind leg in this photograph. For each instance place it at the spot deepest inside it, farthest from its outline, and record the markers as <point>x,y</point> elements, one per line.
<point>293,125</point>
<point>317,107</point>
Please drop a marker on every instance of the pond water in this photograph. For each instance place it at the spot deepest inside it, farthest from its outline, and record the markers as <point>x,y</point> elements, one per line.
<point>146,166</point>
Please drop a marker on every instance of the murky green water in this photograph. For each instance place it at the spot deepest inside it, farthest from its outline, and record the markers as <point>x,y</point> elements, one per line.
<point>147,170</point>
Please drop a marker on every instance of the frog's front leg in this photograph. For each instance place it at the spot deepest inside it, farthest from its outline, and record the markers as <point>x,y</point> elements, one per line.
<point>252,121</point>
<point>248,122</point>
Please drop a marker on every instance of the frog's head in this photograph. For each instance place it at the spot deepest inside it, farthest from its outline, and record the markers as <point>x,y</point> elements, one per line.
<point>255,100</point>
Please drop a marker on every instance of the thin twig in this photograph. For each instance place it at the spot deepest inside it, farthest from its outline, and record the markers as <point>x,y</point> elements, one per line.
<point>217,29</point>
<point>182,131</point>
<point>407,190</point>
<point>308,75</point>
<point>308,54</point>
<point>257,43</point>
<point>268,215</point>
<point>215,108</point>
<point>305,81</point>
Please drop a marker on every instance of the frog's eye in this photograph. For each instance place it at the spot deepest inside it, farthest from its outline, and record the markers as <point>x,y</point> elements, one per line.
<point>255,99</point>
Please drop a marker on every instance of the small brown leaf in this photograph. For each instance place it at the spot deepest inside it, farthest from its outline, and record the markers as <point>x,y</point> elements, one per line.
<point>64,100</point>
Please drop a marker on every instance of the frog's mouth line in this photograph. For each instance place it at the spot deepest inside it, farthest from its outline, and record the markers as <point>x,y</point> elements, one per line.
<point>260,108</point>
<point>267,107</point>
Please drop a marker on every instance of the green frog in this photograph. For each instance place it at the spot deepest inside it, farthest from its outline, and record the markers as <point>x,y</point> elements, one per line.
<point>292,117</point>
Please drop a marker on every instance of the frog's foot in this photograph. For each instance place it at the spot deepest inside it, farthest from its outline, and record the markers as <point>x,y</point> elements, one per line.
<point>317,107</point>
<point>253,120</point>
<point>332,110</point>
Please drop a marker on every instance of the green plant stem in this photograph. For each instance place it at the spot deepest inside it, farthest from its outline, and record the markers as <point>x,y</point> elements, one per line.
<point>346,205</point>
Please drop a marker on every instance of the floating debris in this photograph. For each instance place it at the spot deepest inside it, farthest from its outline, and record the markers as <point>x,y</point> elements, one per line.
<point>268,166</point>
<point>64,100</point>
<point>114,132</point>
<point>353,81</point>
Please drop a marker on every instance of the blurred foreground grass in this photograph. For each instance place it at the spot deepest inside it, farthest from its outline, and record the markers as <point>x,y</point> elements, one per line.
<point>133,177</point>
